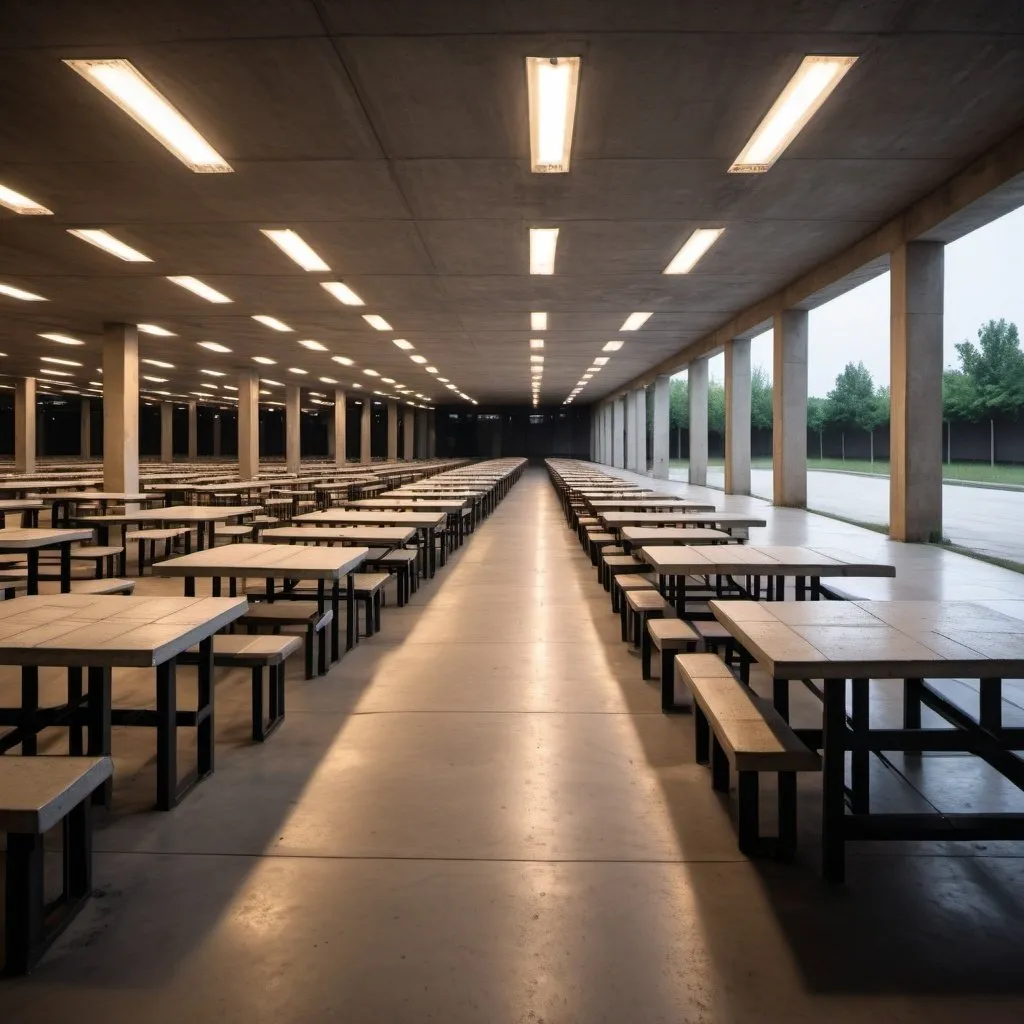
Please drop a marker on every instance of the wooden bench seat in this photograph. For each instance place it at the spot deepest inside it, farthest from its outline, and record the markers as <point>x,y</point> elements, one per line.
<point>278,615</point>
<point>155,536</point>
<point>404,562</point>
<point>637,608</point>
<point>612,564</point>
<point>668,636</point>
<point>234,533</point>
<point>37,794</point>
<point>626,581</point>
<point>101,555</point>
<point>595,542</point>
<point>748,734</point>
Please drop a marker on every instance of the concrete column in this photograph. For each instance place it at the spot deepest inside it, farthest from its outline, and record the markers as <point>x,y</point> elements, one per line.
<point>193,431</point>
<point>25,425</point>
<point>392,408</point>
<point>630,442</point>
<point>640,423</point>
<point>248,425</point>
<point>431,435</point>
<point>409,427</point>
<point>421,434</point>
<point>660,425</point>
<point>609,434</point>
<point>915,343</point>
<point>166,431</point>
<point>293,428</point>
<point>216,434</point>
<point>789,409</point>
<point>697,377</point>
<point>365,425</point>
<point>340,426</point>
<point>737,416</point>
<point>618,439</point>
<point>120,408</point>
<point>85,428</point>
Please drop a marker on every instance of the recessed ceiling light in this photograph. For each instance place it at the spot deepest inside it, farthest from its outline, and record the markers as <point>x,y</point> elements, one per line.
<point>344,360</point>
<point>122,82</point>
<point>229,387</point>
<point>402,344</point>
<point>59,362</point>
<point>108,243</point>
<point>432,369</point>
<point>56,373</point>
<point>612,346</point>
<point>536,359</point>
<point>213,373</point>
<point>635,321</point>
<point>154,380</point>
<point>387,380</point>
<point>18,293</point>
<point>378,323</point>
<point>342,293</point>
<point>295,369</point>
<point>536,369</point>
<point>264,392</point>
<point>451,387</point>
<point>264,360</point>
<point>418,359</point>
<point>273,383</point>
<point>21,204</point>
<point>159,332</point>
<point>552,83</point>
<point>356,384</point>
<point>158,362</point>
<point>593,369</point>
<point>214,346</point>
<point>600,360</point>
<point>543,242</point>
<point>798,102</point>
<point>536,343</point>
<point>692,250</point>
<point>296,248</point>
<point>327,380</point>
<point>371,373</point>
<point>538,321</point>
<point>443,380</point>
<point>63,339</point>
<point>312,345</point>
<point>272,322</point>
<point>204,291</point>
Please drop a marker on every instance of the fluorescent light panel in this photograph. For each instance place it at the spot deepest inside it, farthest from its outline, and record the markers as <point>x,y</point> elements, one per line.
<point>63,339</point>
<point>155,330</point>
<point>313,346</point>
<point>692,250</point>
<point>612,346</point>
<point>59,362</point>
<point>108,243</point>
<point>272,322</point>
<point>378,323</point>
<point>798,102</point>
<point>402,344</point>
<point>197,287</point>
<point>543,243</point>
<point>296,248</point>
<point>418,359</point>
<point>552,84</point>
<point>19,293</point>
<point>214,346</point>
<point>22,204</point>
<point>344,360</point>
<point>119,80</point>
<point>342,293</point>
<point>635,321</point>
<point>600,360</point>
<point>264,360</point>
<point>538,321</point>
<point>157,362</point>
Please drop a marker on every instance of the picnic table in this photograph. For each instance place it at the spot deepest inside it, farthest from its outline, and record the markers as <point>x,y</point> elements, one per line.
<point>370,536</point>
<point>29,507</point>
<point>276,562</point>
<point>635,536</point>
<point>30,541</point>
<point>727,521</point>
<point>425,521</point>
<point>61,502</point>
<point>900,644</point>
<point>99,634</point>
<point>658,503</point>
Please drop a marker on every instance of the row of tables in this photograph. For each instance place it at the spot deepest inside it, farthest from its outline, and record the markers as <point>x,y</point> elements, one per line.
<point>837,648</point>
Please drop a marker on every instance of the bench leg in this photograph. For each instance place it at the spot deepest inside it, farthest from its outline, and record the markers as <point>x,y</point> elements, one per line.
<point>787,814</point>
<point>323,653</point>
<point>645,654</point>
<point>748,812</point>
<point>719,767</point>
<point>310,641</point>
<point>24,903</point>
<point>75,692</point>
<point>377,598</point>
<point>258,721</point>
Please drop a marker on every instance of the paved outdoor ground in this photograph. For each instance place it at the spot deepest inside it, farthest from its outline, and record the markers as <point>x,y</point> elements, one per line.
<point>984,519</point>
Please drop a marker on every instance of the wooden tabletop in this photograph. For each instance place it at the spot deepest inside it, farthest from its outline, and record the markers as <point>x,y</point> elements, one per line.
<point>684,535</point>
<point>880,639</point>
<point>277,561</point>
<point>630,504</point>
<point>616,520</point>
<point>371,517</point>
<point>15,538</point>
<point>20,504</point>
<point>393,536</point>
<point>174,514</point>
<point>99,496</point>
<point>758,560</point>
<point>440,504</point>
<point>85,629</point>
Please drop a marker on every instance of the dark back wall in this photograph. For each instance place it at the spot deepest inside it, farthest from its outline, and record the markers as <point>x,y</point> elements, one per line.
<point>491,432</point>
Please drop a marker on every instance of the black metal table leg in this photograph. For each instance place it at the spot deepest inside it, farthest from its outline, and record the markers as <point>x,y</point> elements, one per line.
<point>335,615</point>
<point>166,736</point>
<point>98,717</point>
<point>32,586</point>
<point>860,758</point>
<point>833,851</point>
<point>204,710</point>
<point>350,612</point>
<point>29,709</point>
<point>65,568</point>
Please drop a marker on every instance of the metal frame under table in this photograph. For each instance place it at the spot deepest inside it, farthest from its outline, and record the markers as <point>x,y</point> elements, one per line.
<point>30,541</point>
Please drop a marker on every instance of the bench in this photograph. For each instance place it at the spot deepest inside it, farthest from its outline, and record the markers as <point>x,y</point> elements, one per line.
<point>597,541</point>
<point>718,640</point>
<point>637,608</point>
<point>668,637</point>
<point>613,564</point>
<point>36,794</point>
<point>154,537</point>
<point>98,554</point>
<point>369,588</point>
<point>748,734</point>
<point>305,614</point>
<point>234,533</point>
<point>236,650</point>
<point>624,582</point>
<point>406,566</point>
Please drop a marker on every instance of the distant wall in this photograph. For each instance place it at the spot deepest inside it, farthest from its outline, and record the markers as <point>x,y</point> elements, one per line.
<point>489,432</point>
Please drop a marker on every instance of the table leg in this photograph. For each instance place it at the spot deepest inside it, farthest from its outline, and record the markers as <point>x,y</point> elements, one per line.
<point>912,703</point>
<point>860,758</point>
<point>75,747</point>
<point>65,568</point>
<point>32,586</point>
<point>833,853</point>
<point>350,612</point>
<point>166,736</point>
<point>335,624</point>
<point>190,586</point>
<point>215,586</point>
<point>98,718</point>
<point>991,704</point>
<point>204,702</point>
<point>210,534</point>
<point>29,710</point>
<point>780,697</point>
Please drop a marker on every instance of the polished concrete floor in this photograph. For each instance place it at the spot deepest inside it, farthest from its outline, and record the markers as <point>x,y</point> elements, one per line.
<point>481,816</point>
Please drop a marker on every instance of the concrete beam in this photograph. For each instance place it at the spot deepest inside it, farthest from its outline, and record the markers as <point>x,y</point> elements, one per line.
<point>737,416</point>
<point>789,409</point>
<point>661,425</point>
<point>120,408</point>
<point>697,374</point>
<point>248,425</point>
<point>25,425</point>
<point>640,429</point>
<point>915,318</point>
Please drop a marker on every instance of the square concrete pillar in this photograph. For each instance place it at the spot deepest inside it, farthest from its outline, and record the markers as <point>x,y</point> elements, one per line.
<point>392,408</point>
<point>618,433</point>
<point>697,386</point>
<point>737,416</point>
<point>408,434</point>
<point>166,431</point>
<point>789,409</point>
<point>340,426</point>
<point>630,442</point>
<point>248,425</point>
<point>25,425</point>
<point>915,343</point>
<point>431,435</point>
<point>85,428</point>
<point>365,426</point>
<point>421,434</point>
<point>120,408</point>
<point>660,424</point>
<point>640,429</point>
<point>609,433</point>
<point>293,428</point>
<point>217,433</point>
<point>193,431</point>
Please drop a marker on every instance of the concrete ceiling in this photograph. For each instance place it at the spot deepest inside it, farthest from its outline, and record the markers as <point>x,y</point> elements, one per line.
<point>393,137</point>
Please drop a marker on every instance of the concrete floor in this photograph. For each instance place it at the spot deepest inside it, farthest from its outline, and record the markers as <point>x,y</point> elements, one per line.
<point>482,816</point>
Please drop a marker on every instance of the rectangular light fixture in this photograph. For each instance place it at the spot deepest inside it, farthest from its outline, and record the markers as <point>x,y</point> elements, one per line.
<point>692,250</point>
<point>313,346</point>
<point>327,380</point>
<point>214,346</point>
<point>402,344</point>
<point>387,380</point>
<point>271,321</point>
<point>59,362</point>
<point>443,380</point>
<point>213,373</point>
<point>119,80</point>
<point>158,362</point>
<point>296,248</point>
<point>56,373</point>
<point>22,204</point>
<point>635,321</point>
<point>154,380</point>
<point>371,373</point>
<point>805,92</point>
<point>63,339</point>
<point>156,331</point>
<point>272,383</point>
<point>552,84</point>
<point>18,293</point>
<point>431,369</point>
<point>264,360</point>
<point>108,243</point>
<point>229,387</point>
<point>204,291</point>
<point>536,343</point>
<point>342,293</point>
<point>600,360</point>
<point>612,346</point>
<point>418,359</point>
<point>295,369</point>
<point>538,321</point>
<point>536,369</point>
<point>344,360</point>
<point>543,242</point>
<point>378,323</point>
<point>536,359</point>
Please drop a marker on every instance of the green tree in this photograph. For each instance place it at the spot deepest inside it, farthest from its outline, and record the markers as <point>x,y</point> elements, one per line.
<point>716,407</point>
<point>959,397</point>
<point>854,404</point>
<point>679,403</point>
<point>817,419</point>
<point>995,367</point>
<point>760,399</point>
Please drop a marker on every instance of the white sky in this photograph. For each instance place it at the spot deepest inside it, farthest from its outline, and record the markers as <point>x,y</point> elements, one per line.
<point>982,282</point>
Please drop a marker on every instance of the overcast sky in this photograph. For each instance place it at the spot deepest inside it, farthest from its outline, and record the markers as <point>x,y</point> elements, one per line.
<point>983,282</point>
